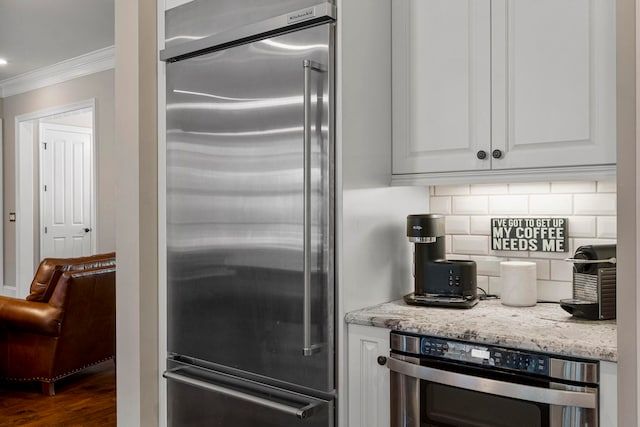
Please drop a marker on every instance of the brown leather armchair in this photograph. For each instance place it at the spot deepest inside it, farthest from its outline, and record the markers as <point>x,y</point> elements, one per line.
<point>66,324</point>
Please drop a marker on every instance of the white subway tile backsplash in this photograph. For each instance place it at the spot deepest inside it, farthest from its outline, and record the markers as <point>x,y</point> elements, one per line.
<point>561,270</point>
<point>483,283</point>
<point>508,254</point>
<point>489,188</point>
<point>586,242</point>
<point>590,207</point>
<point>542,268</point>
<point>480,225</point>
<point>440,204</point>
<point>570,187</point>
<point>554,291</point>
<point>452,190</point>
<point>550,204</point>
<point>607,227</point>
<point>495,286</point>
<point>458,257</point>
<point>607,186</point>
<point>457,224</point>
<point>530,188</point>
<point>487,266</point>
<point>509,205</point>
<point>470,205</point>
<point>473,245</point>
<point>595,204</point>
<point>582,226</point>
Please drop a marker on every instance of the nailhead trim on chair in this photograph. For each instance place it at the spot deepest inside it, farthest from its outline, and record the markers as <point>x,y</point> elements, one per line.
<point>81,273</point>
<point>51,380</point>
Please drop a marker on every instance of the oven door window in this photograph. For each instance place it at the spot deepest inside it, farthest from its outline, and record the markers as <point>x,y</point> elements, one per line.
<point>445,406</point>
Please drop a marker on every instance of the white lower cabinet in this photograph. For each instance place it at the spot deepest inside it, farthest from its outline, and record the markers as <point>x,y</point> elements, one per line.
<point>368,397</point>
<point>608,394</point>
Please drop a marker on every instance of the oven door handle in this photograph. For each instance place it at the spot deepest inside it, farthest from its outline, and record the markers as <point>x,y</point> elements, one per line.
<point>499,388</point>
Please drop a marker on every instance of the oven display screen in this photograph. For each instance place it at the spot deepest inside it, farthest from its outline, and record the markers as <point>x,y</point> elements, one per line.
<point>480,354</point>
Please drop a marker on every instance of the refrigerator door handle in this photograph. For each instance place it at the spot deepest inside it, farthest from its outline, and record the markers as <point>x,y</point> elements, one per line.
<point>308,349</point>
<point>304,412</point>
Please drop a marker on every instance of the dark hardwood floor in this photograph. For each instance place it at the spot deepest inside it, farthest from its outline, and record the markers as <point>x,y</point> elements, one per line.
<point>87,398</point>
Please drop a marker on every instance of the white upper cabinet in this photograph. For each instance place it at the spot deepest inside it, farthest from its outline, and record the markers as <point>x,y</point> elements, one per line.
<point>441,84</point>
<point>503,87</point>
<point>554,82</point>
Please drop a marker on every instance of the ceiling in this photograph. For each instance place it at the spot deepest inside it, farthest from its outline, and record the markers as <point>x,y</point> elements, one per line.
<point>38,33</point>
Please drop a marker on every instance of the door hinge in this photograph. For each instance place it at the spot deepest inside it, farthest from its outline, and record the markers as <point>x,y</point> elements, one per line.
<point>45,230</point>
<point>45,145</point>
<point>45,187</point>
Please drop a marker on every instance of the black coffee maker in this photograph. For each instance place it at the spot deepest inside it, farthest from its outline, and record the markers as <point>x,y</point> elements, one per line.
<point>438,281</point>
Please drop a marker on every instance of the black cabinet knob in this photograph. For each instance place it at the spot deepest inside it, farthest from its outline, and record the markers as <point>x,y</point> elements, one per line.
<point>496,154</point>
<point>382,360</point>
<point>481,154</point>
<point>86,230</point>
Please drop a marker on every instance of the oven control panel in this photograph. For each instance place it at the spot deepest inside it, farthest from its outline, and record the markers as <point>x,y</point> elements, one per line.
<point>485,355</point>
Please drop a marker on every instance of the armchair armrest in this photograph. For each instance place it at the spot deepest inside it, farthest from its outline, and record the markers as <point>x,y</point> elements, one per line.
<point>31,316</point>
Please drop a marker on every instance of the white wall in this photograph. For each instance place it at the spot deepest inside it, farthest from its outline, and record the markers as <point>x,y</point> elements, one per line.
<point>136,91</point>
<point>81,120</point>
<point>628,301</point>
<point>98,86</point>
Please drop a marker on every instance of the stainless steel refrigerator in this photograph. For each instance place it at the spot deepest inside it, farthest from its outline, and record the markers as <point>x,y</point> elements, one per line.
<point>250,213</point>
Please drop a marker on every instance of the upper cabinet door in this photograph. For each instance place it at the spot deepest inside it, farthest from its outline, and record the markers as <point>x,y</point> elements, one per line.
<point>553,82</point>
<point>441,85</point>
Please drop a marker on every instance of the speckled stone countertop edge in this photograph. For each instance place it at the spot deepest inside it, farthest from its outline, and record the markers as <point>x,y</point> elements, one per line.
<point>544,328</point>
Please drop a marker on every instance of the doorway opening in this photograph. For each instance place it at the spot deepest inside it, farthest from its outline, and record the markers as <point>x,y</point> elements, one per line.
<point>55,187</point>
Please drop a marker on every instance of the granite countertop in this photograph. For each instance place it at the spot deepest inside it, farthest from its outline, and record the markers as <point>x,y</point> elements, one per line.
<point>544,327</point>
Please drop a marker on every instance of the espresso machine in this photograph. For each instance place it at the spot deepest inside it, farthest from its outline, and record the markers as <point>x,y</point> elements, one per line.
<point>594,283</point>
<point>438,281</point>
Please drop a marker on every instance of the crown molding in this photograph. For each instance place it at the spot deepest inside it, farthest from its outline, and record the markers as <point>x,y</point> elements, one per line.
<point>93,62</point>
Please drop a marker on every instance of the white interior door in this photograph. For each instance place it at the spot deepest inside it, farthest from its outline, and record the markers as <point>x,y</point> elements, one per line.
<point>66,191</point>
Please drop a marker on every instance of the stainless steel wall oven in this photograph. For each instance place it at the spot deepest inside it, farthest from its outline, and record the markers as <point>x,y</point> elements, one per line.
<point>438,382</point>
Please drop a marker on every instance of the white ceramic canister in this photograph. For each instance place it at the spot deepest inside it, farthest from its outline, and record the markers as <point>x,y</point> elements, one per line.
<point>519,286</point>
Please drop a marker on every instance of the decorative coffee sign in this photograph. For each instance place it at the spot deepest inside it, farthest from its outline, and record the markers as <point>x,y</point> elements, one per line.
<point>529,234</point>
